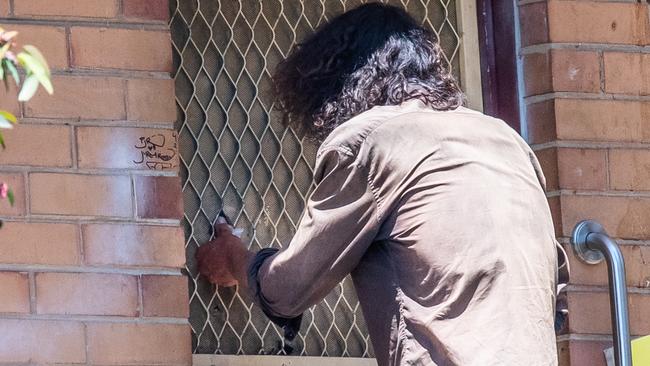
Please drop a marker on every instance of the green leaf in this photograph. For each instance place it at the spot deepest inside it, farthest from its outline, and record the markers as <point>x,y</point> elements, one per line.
<point>12,69</point>
<point>33,66</point>
<point>4,123</point>
<point>4,49</point>
<point>2,142</point>
<point>11,197</point>
<point>30,64</point>
<point>5,76</point>
<point>38,56</point>
<point>29,88</point>
<point>8,116</point>
<point>47,84</point>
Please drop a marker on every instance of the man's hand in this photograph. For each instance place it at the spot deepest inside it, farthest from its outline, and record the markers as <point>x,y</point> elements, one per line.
<point>224,260</point>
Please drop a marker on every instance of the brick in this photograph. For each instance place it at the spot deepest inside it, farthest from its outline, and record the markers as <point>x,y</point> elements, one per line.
<point>107,48</point>
<point>51,41</point>
<point>597,22</point>
<point>17,184</point>
<point>133,245</point>
<point>165,296</point>
<point>146,9</point>
<point>590,313</point>
<point>629,169</point>
<point>541,122</point>
<point>127,148</point>
<point>39,243</point>
<point>86,294</point>
<point>534,23</point>
<point>41,342</point>
<point>627,73</point>
<point>122,344</point>
<point>84,195</point>
<point>639,321</point>
<point>9,99</point>
<point>582,169</point>
<point>554,205</point>
<point>80,98</point>
<point>622,217</point>
<point>151,100</point>
<point>636,269</point>
<point>601,120</point>
<point>5,8</point>
<point>537,71</point>
<point>575,70</point>
<point>638,266</point>
<point>587,353</point>
<point>37,145</point>
<point>67,8</point>
<point>548,161</point>
<point>563,355</point>
<point>14,288</point>
<point>159,197</point>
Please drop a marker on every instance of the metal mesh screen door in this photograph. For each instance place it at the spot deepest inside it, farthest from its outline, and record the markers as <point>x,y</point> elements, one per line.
<point>237,158</point>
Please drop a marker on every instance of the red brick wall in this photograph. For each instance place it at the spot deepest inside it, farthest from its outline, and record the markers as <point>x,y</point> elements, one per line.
<point>90,255</point>
<point>587,82</point>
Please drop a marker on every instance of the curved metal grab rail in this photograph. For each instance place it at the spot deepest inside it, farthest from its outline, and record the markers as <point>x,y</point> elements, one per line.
<point>592,244</point>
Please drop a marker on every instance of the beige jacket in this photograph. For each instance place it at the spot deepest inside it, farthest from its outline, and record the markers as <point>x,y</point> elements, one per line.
<point>442,221</point>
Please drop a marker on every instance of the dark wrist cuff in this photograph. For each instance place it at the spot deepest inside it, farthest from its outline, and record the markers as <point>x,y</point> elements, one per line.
<point>290,326</point>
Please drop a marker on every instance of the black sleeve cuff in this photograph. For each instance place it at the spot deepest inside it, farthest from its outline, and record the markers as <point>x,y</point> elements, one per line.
<point>290,326</point>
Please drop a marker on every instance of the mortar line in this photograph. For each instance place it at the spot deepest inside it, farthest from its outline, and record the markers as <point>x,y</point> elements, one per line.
<point>585,96</point>
<point>140,297</point>
<point>133,271</point>
<point>601,65</point>
<point>592,145</point>
<point>69,55</point>
<point>32,292</point>
<point>91,220</point>
<point>97,319</point>
<point>153,25</point>
<point>82,251</point>
<point>579,46</point>
<point>28,195</point>
<point>120,172</point>
<point>74,152</point>
<point>122,123</point>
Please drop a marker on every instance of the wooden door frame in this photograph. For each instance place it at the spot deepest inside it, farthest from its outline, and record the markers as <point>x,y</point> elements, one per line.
<point>499,69</point>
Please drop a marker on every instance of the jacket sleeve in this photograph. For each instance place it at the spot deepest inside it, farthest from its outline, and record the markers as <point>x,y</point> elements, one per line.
<point>339,224</point>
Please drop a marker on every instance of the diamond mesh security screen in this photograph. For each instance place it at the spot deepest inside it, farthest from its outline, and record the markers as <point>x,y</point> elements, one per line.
<point>238,159</point>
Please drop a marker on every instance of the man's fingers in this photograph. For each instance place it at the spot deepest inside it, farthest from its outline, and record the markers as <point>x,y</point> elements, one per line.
<point>223,229</point>
<point>228,284</point>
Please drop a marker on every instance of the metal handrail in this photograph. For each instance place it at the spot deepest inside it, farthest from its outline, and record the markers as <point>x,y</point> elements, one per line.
<point>592,244</point>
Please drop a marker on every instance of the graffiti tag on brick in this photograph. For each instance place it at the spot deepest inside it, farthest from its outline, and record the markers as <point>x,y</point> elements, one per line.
<point>157,152</point>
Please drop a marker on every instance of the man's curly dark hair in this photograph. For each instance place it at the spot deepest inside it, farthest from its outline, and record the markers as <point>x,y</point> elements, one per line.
<point>373,55</point>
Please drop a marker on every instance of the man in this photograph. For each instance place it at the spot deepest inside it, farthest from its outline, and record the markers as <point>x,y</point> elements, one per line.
<point>437,211</point>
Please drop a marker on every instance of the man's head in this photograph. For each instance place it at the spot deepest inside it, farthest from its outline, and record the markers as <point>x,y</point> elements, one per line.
<point>373,55</point>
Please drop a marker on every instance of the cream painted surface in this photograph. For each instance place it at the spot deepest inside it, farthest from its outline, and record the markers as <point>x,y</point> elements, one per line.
<point>470,62</point>
<point>225,360</point>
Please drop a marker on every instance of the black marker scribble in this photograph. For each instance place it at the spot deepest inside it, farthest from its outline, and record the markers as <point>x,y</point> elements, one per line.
<point>154,154</point>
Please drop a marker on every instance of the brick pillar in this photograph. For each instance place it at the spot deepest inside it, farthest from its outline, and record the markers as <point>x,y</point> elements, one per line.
<point>90,255</point>
<point>587,82</point>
